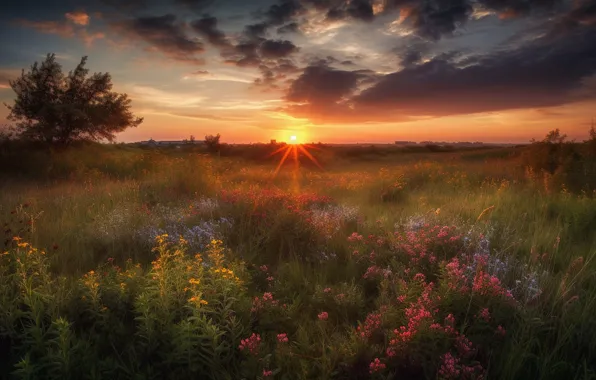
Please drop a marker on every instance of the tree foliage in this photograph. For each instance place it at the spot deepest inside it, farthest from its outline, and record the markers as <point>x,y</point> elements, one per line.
<point>213,142</point>
<point>59,109</point>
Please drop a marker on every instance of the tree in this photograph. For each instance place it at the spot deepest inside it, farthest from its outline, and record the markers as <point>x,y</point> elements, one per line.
<point>192,139</point>
<point>212,142</point>
<point>59,109</point>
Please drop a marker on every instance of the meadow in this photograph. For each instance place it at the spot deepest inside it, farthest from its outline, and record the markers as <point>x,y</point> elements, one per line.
<point>128,263</point>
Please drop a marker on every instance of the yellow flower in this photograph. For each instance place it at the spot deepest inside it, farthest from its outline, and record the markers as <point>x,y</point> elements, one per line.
<point>194,281</point>
<point>203,302</point>
<point>16,238</point>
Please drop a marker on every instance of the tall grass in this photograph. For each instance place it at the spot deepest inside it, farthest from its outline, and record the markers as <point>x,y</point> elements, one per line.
<point>164,265</point>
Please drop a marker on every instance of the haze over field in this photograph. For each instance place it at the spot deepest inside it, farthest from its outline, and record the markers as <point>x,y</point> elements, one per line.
<point>337,71</point>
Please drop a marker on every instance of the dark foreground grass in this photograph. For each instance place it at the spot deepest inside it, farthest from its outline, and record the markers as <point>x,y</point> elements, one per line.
<point>444,265</point>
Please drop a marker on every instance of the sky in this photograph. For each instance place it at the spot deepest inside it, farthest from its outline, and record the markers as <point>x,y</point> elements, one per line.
<point>337,71</point>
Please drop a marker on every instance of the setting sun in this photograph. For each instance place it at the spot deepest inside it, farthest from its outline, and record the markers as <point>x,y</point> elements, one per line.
<point>293,139</point>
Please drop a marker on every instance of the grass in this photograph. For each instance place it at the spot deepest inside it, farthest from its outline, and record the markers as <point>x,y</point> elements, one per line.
<point>128,263</point>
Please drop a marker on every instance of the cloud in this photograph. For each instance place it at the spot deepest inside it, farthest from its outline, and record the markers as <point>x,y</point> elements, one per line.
<point>432,20</point>
<point>544,73</point>
<point>73,26</point>
<point>322,92</point>
<point>50,27</point>
<point>292,27</point>
<point>243,54</point>
<point>276,15</point>
<point>196,5</point>
<point>5,77</point>
<point>79,18</point>
<point>207,27</point>
<point>273,49</point>
<point>164,34</point>
<point>361,10</point>
<point>148,94</point>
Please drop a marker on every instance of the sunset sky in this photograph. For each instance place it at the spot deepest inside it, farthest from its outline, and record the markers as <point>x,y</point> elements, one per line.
<point>324,70</point>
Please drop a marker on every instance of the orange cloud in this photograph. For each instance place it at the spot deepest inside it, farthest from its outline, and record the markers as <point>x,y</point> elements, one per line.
<point>79,18</point>
<point>74,26</point>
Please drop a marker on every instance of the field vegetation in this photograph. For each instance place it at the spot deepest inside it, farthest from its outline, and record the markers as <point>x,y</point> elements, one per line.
<point>125,262</point>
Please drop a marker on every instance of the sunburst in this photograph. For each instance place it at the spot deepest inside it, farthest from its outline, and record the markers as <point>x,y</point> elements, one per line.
<point>293,149</point>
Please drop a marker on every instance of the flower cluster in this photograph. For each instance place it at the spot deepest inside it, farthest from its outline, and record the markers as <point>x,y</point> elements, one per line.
<point>266,301</point>
<point>251,344</point>
<point>371,324</point>
<point>376,366</point>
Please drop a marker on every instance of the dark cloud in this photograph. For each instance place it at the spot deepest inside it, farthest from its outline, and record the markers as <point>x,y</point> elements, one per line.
<point>361,10</point>
<point>433,19</point>
<point>276,15</point>
<point>514,8</point>
<point>279,14</point>
<point>544,73</point>
<point>292,27</point>
<point>582,14</point>
<point>275,74</point>
<point>196,5</point>
<point>207,27</point>
<point>255,31</point>
<point>323,93</point>
<point>273,49</point>
<point>165,34</point>
<point>243,54</point>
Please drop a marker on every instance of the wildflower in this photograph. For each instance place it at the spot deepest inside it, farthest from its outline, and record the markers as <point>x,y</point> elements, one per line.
<point>484,314</point>
<point>282,338</point>
<point>371,324</point>
<point>327,290</point>
<point>449,367</point>
<point>376,366</point>
<point>194,281</point>
<point>323,316</point>
<point>251,344</point>
<point>267,373</point>
<point>264,268</point>
<point>402,298</point>
<point>464,346</point>
<point>500,331</point>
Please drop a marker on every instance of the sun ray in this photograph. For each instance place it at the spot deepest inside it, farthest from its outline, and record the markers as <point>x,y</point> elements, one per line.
<point>310,156</point>
<point>283,159</point>
<point>277,151</point>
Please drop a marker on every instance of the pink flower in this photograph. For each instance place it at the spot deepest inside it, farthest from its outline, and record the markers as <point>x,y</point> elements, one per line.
<point>449,367</point>
<point>419,277</point>
<point>327,290</point>
<point>484,314</point>
<point>323,316</point>
<point>501,331</point>
<point>264,268</point>
<point>267,373</point>
<point>282,338</point>
<point>251,344</point>
<point>371,324</point>
<point>401,298</point>
<point>376,366</point>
